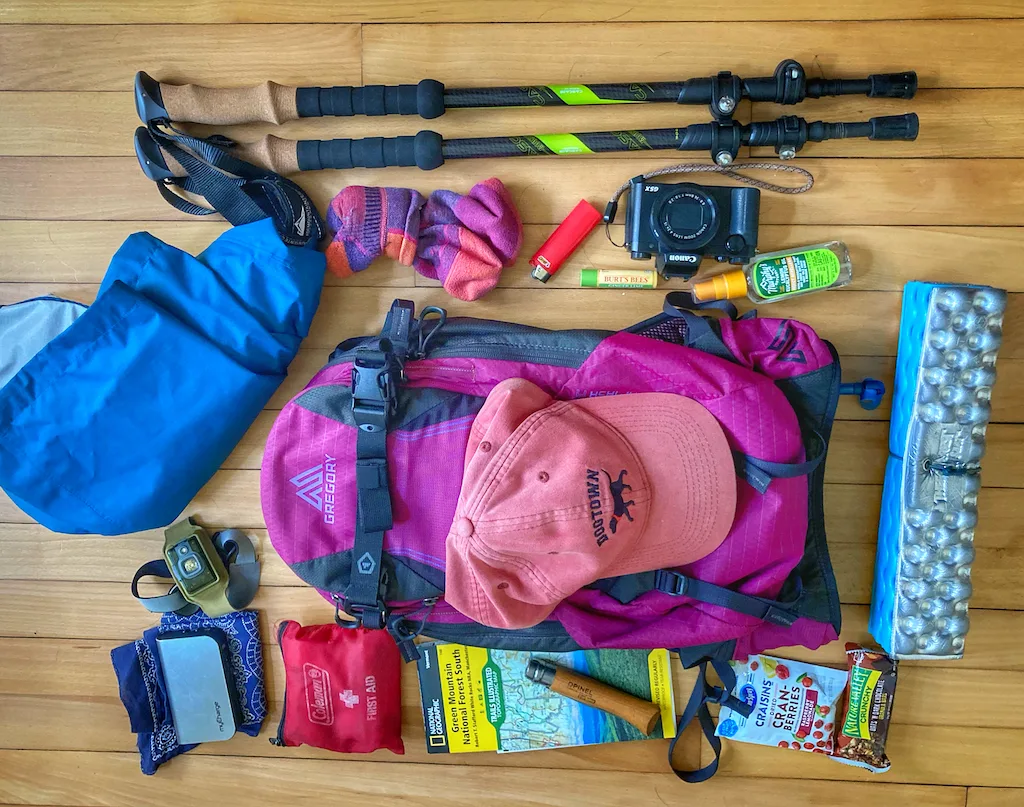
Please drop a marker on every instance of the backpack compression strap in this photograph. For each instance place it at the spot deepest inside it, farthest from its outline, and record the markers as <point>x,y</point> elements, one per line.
<point>628,587</point>
<point>376,372</point>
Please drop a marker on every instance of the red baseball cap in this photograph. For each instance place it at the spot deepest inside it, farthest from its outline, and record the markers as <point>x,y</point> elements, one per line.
<point>558,494</point>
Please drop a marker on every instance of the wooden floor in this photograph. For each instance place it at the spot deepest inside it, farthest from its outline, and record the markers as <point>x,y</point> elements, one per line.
<point>949,207</point>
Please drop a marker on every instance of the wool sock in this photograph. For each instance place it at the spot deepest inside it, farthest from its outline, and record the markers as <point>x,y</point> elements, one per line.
<point>462,240</point>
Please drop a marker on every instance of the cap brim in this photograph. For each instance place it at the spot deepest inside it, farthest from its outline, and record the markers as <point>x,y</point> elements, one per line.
<point>471,589</point>
<point>690,472</point>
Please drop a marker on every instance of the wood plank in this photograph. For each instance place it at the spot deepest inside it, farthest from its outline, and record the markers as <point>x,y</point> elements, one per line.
<point>99,57</point>
<point>309,361</point>
<point>34,671</point>
<point>459,11</point>
<point>951,123</point>
<point>101,725</point>
<point>95,124</point>
<point>81,124</point>
<point>80,251</point>
<point>37,701</point>
<point>857,452</point>
<point>504,54</point>
<point>231,499</point>
<point>30,552</point>
<point>954,755</point>
<point>995,797</point>
<point>986,649</point>
<point>851,515</point>
<point>113,780</point>
<point>944,191</point>
<point>996,573</point>
<point>884,258</point>
<point>483,55</point>
<point>359,311</point>
<point>67,610</point>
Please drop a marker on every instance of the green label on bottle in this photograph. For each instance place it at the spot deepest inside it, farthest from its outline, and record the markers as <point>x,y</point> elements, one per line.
<point>802,271</point>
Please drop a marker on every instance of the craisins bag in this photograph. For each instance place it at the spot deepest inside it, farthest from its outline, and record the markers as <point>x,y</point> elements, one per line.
<point>793,704</point>
<point>343,689</point>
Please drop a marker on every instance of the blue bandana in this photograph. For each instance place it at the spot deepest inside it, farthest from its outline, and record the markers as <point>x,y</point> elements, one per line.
<point>144,695</point>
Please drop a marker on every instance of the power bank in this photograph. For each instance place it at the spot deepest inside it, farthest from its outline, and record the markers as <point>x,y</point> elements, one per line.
<point>202,697</point>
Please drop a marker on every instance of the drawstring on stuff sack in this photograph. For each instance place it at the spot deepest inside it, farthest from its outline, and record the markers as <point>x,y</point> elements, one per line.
<point>239,191</point>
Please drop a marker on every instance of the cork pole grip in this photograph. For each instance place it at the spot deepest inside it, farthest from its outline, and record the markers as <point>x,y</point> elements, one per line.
<point>642,714</point>
<point>267,102</point>
<point>271,152</point>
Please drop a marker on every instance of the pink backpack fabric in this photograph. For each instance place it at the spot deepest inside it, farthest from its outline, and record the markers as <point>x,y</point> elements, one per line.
<point>772,384</point>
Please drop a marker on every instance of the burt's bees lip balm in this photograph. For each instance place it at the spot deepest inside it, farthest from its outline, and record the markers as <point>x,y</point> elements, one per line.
<point>618,279</point>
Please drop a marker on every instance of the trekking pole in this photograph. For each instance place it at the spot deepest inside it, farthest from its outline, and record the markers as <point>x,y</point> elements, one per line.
<point>428,150</point>
<point>276,103</point>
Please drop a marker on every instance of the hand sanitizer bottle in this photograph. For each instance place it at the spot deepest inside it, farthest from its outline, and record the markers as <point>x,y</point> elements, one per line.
<point>776,276</point>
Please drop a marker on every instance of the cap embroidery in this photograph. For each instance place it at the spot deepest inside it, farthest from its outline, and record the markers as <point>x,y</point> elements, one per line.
<point>621,507</point>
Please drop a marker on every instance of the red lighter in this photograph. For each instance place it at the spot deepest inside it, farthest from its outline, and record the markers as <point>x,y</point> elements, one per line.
<point>563,241</point>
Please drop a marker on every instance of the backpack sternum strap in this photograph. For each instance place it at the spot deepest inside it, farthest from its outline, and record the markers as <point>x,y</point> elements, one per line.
<point>778,613</point>
<point>376,371</point>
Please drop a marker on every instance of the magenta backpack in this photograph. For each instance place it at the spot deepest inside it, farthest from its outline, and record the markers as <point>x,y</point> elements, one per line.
<point>363,468</point>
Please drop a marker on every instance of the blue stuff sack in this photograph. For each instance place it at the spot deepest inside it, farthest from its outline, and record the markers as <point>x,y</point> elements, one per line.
<point>115,424</point>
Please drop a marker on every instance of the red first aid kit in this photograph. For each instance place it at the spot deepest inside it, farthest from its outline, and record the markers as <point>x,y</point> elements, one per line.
<point>343,689</point>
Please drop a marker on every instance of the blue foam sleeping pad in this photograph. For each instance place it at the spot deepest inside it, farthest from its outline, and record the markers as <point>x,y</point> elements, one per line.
<point>115,424</point>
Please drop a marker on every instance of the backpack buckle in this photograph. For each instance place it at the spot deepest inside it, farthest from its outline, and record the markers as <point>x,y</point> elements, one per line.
<point>669,582</point>
<point>373,616</point>
<point>374,390</point>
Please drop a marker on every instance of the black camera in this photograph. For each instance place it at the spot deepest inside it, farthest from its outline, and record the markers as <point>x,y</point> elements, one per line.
<point>679,224</point>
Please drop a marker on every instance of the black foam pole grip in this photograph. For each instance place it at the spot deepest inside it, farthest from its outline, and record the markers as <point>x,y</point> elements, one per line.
<point>895,127</point>
<point>423,150</point>
<point>893,85</point>
<point>425,99</point>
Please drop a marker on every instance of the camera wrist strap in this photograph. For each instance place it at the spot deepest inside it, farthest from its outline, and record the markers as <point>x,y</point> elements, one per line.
<point>731,171</point>
<point>239,556</point>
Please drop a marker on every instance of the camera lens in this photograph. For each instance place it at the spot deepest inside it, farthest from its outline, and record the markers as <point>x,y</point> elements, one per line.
<point>689,217</point>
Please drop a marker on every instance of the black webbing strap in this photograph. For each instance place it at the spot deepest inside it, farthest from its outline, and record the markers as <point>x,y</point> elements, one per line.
<point>773,611</point>
<point>241,192</point>
<point>376,372</point>
<point>697,706</point>
<point>760,473</point>
<point>627,588</point>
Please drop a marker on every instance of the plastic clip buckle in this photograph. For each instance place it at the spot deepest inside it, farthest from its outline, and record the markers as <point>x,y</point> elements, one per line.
<point>670,582</point>
<point>373,616</point>
<point>373,392</point>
